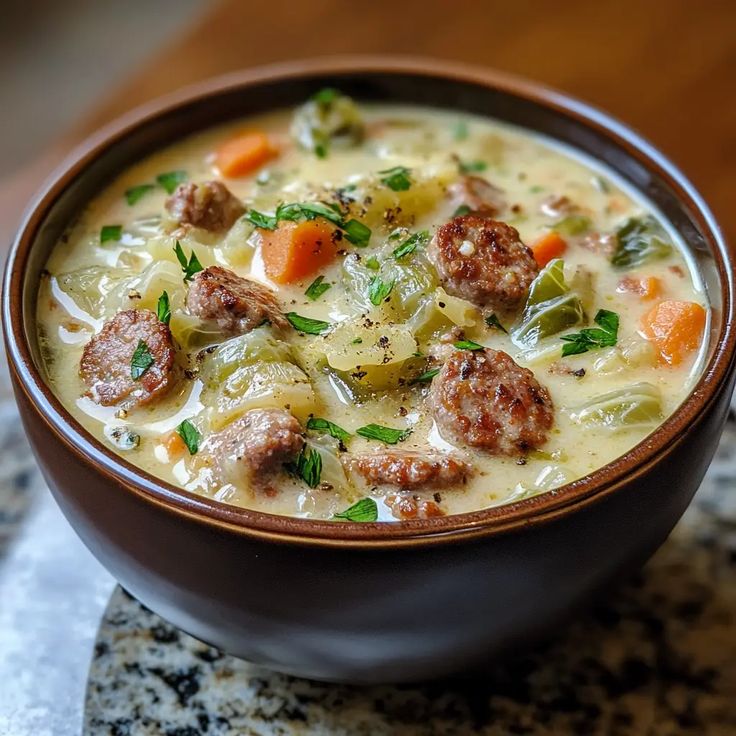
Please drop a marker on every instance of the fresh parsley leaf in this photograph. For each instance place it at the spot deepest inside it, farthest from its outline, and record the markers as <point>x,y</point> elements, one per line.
<point>383,434</point>
<point>308,466</point>
<point>321,150</point>
<point>493,321</point>
<point>460,131</point>
<point>317,288</point>
<point>357,233</point>
<point>640,240</point>
<point>378,290</point>
<point>265,222</point>
<point>163,308</point>
<point>307,324</point>
<point>468,345</point>
<point>470,167</point>
<point>141,361</point>
<point>364,510</point>
<point>425,377</point>
<point>171,180</point>
<point>191,436</point>
<point>593,337</point>
<point>411,244</point>
<point>573,225</point>
<point>110,232</point>
<point>463,209</point>
<point>326,96</point>
<point>396,178</point>
<point>372,263</point>
<point>135,194</point>
<point>190,267</point>
<point>323,425</point>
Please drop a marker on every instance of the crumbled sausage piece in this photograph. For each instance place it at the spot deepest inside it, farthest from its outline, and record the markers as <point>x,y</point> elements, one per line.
<point>236,304</point>
<point>478,194</point>
<point>407,469</point>
<point>106,360</point>
<point>210,206</point>
<point>407,506</point>
<point>484,261</point>
<point>557,206</point>
<point>482,398</point>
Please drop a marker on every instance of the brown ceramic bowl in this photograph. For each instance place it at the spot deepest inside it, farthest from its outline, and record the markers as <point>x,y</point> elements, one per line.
<point>369,602</point>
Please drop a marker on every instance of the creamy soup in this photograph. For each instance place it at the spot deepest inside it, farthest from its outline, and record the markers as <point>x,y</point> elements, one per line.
<point>370,312</point>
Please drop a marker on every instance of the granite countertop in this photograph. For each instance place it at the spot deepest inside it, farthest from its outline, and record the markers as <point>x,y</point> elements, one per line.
<point>78,655</point>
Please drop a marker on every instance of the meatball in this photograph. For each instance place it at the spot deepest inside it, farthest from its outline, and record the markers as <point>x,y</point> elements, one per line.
<point>484,261</point>
<point>255,446</point>
<point>478,194</point>
<point>236,304</point>
<point>483,399</point>
<point>210,206</point>
<point>407,506</point>
<point>411,470</point>
<point>106,365</point>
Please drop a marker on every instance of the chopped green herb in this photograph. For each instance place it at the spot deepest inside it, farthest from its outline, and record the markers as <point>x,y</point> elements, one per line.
<point>110,232</point>
<point>372,263</point>
<point>592,337</point>
<point>191,436</point>
<point>468,345</point>
<point>470,167</point>
<point>135,194</point>
<point>308,466</point>
<point>321,150</point>
<point>536,189</point>
<point>640,240</point>
<point>460,131</point>
<point>425,377</point>
<point>266,222</point>
<point>493,321</point>
<point>163,308</point>
<point>323,425</point>
<point>326,96</point>
<point>357,233</point>
<point>307,324</point>
<point>364,510</point>
<point>573,225</point>
<point>190,267</point>
<point>378,290</point>
<point>171,180</point>
<point>463,209</point>
<point>396,178</point>
<point>317,288</point>
<point>411,244</point>
<point>357,341</point>
<point>383,434</point>
<point>141,361</point>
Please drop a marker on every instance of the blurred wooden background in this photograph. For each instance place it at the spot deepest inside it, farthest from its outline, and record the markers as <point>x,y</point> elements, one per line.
<point>665,67</point>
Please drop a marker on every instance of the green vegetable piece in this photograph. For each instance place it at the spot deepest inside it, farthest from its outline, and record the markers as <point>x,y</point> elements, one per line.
<point>372,263</point>
<point>364,510</point>
<point>110,233</point>
<point>425,377</point>
<point>468,345</point>
<point>640,240</point>
<point>191,436</point>
<point>601,184</point>
<point>323,425</point>
<point>471,167</point>
<point>411,244</point>
<point>494,322</point>
<point>190,267</point>
<point>638,405</point>
<point>308,466</point>
<point>163,308</point>
<point>307,324</point>
<point>383,434</point>
<point>379,290</point>
<point>135,194</point>
<point>592,337</point>
<point>573,225</point>
<point>317,288</point>
<point>259,219</point>
<point>171,180</point>
<point>329,118</point>
<point>141,361</point>
<point>462,210</point>
<point>397,178</point>
<point>356,233</point>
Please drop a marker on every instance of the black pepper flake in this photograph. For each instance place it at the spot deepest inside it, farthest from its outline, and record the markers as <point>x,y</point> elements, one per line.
<point>441,305</point>
<point>403,411</point>
<point>521,461</point>
<point>579,373</point>
<point>437,497</point>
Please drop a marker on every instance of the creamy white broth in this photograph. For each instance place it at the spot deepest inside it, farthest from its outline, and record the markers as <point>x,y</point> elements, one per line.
<point>529,169</point>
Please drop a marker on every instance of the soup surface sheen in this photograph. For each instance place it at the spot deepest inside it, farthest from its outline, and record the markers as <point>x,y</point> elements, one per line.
<point>395,350</point>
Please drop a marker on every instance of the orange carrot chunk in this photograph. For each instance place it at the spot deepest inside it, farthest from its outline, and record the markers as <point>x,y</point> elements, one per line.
<point>647,287</point>
<point>675,329</point>
<point>245,153</point>
<point>548,247</point>
<point>174,445</point>
<point>296,250</point>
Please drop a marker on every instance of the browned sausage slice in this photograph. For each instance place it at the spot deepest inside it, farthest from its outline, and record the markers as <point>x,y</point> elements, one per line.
<point>236,304</point>
<point>484,261</point>
<point>210,205</point>
<point>478,194</point>
<point>106,360</point>
<point>411,470</point>
<point>484,399</point>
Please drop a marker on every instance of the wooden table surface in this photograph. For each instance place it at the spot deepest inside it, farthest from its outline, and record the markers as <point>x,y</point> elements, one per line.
<point>667,68</point>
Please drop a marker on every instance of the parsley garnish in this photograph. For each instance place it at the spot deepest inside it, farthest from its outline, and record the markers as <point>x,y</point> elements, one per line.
<point>364,510</point>
<point>425,377</point>
<point>357,233</point>
<point>463,209</point>
<point>379,290</point>
<point>317,288</point>
<point>323,425</point>
<point>134,194</point>
<point>188,267</point>
<point>460,131</point>
<point>141,361</point>
<point>110,232</point>
<point>307,324</point>
<point>468,345</point>
<point>383,434</point>
<point>593,337</point>
<point>191,436</point>
<point>469,167</point>
<point>171,180</point>
<point>308,466</point>
<point>326,96</point>
<point>493,321</point>
<point>265,222</point>
<point>163,308</point>
<point>411,244</point>
<point>396,178</point>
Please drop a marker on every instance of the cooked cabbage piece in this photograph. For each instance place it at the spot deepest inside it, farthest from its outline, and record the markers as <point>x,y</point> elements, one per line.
<point>440,311</point>
<point>638,405</point>
<point>327,119</point>
<point>89,287</point>
<point>639,240</point>
<point>142,291</point>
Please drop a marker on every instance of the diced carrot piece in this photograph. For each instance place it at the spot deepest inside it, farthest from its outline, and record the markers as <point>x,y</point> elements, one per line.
<point>550,246</point>
<point>647,287</point>
<point>296,250</point>
<point>245,153</point>
<point>675,328</point>
<point>174,445</point>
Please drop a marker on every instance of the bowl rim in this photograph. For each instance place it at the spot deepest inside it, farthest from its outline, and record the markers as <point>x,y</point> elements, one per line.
<point>543,508</point>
